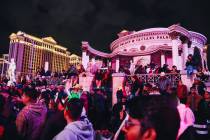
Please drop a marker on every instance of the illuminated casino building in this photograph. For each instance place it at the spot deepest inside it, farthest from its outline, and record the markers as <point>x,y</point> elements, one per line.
<point>75,60</point>
<point>169,46</point>
<point>32,53</point>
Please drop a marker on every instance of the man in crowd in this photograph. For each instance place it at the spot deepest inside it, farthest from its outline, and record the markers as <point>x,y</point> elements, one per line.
<point>163,83</point>
<point>76,128</point>
<point>31,118</point>
<point>156,119</point>
<point>182,92</point>
<point>199,85</point>
<point>174,70</point>
<point>193,99</point>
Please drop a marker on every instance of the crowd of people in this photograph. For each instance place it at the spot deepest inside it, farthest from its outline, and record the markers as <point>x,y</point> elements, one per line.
<point>54,106</point>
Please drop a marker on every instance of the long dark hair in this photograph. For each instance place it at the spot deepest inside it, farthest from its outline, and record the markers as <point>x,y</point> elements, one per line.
<point>197,58</point>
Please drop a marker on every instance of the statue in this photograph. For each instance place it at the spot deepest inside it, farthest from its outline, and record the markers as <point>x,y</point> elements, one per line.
<point>11,71</point>
<point>132,67</point>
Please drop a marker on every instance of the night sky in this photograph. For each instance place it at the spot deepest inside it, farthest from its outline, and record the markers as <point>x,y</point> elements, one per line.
<point>71,21</point>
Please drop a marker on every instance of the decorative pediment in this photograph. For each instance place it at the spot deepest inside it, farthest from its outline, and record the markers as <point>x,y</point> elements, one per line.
<point>13,35</point>
<point>49,39</point>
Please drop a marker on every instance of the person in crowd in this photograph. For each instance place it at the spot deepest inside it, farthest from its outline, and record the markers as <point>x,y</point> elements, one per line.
<point>7,127</point>
<point>117,117</point>
<point>206,73</point>
<point>55,123</point>
<point>72,71</point>
<point>156,119</point>
<point>189,134</point>
<point>171,90</point>
<point>187,118</point>
<point>75,91</point>
<point>165,69</point>
<point>207,104</point>
<point>119,95</point>
<point>80,69</point>
<point>174,70</point>
<point>98,78</point>
<point>139,70</point>
<point>2,118</point>
<point>146,89</point>
<point>200,74</point>
<point>189,65</point>
<point>136,87</point>
<point>154,91</point>
<point>204,108</point>
<point>44,97</point>
<point>152,65</point>
<point>126,70</point>
<point>99,109</point>
<point>163,83</point>
<point>202,117</point>
<point>193,99</point>
<point>199,85</point>
<point>77,128</point>
<point>107,80</point>
<point>121,69</point>
<point>127,88</point>
<point>182,92</point>
<point>31,118</point>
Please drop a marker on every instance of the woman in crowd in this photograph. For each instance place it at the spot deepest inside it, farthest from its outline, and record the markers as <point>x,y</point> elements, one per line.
<point>189,65</point>
<point>98,78</point>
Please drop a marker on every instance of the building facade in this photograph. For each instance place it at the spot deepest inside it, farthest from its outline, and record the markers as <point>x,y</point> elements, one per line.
<point>75,60</point>
<point>4,64</point>
<point>32,53</point>
<point>170,46</point>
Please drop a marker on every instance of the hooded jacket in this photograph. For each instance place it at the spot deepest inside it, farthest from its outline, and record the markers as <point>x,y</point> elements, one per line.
<point>78,130</point>
<point>187,118</point>
<point>30,121</point>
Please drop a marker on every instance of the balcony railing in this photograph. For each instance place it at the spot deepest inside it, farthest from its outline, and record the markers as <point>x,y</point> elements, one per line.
<point>154,78</point>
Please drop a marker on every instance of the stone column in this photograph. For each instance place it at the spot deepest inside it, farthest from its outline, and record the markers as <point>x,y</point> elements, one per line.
<point>185,52</point>
<point>175,50</point>
<point>93,60</point>
<point>85,56</point>
<point>163,59</point>
<point>117,64</point>
<point>202,57</point>
<point>180,63</point>
<point>2,69</point>
<point>85,59</point>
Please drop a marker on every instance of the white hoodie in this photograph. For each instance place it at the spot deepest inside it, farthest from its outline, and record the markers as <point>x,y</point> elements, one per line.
<point>186,118</point>
<point>78,130</point>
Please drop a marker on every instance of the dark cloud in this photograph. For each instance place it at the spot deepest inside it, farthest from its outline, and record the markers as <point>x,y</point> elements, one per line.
<point>97,21</point>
